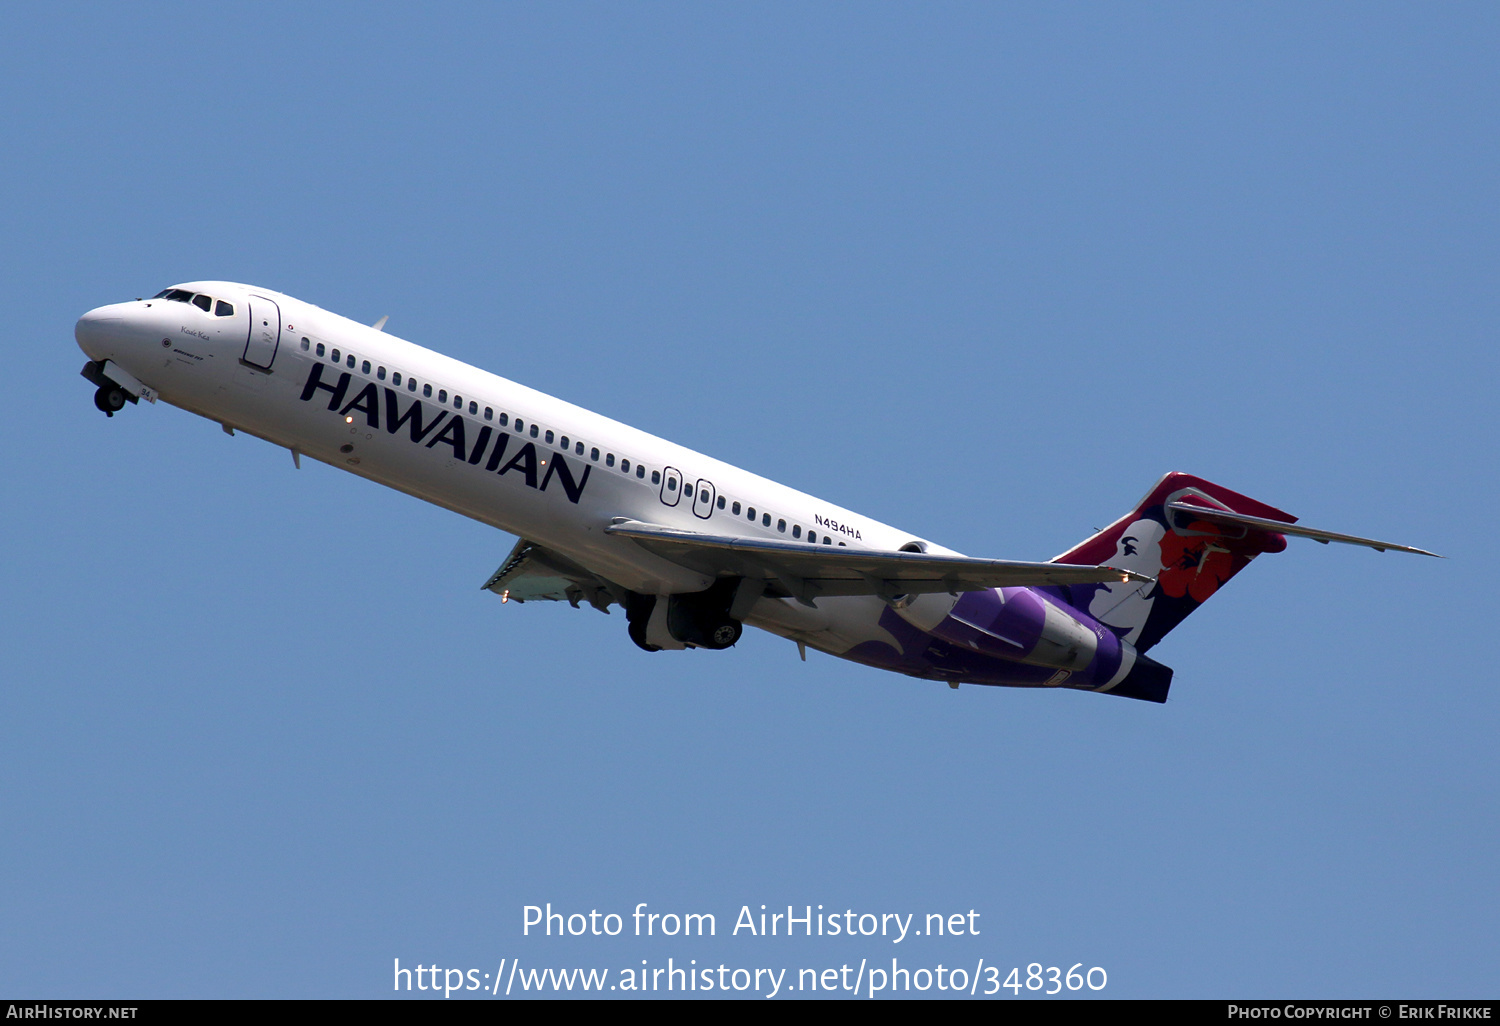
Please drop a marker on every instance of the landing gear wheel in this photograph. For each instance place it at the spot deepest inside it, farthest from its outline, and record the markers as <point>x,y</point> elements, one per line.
<point>638,615</point>
<point>110,399</point>
<point>726,634</point>
<point>638,635</point>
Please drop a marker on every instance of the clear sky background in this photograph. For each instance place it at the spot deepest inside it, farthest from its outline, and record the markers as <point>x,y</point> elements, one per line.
<point>981,271</point>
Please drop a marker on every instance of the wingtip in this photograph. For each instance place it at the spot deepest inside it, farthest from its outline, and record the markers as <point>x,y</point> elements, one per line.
<point>1407,548</point>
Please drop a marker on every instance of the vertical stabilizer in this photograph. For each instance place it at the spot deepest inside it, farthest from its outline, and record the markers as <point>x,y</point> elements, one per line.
<point>1189,557</point>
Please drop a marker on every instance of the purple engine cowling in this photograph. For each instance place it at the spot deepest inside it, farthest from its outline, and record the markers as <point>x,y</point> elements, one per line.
<point>1026,626</point>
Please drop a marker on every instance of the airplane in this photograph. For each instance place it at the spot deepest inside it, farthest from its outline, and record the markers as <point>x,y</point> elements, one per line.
<point>690,547</point>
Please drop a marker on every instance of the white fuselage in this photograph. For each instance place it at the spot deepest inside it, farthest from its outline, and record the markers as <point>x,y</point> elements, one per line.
<point>250,370</point>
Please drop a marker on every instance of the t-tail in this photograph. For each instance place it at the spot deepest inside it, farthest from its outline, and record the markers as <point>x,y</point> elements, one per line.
<point>1191,536</point>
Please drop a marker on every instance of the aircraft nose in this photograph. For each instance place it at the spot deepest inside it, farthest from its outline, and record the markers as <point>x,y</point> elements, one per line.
<point>98,329</point>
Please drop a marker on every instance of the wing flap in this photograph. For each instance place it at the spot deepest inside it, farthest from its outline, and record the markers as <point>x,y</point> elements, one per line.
<point>533,573</point>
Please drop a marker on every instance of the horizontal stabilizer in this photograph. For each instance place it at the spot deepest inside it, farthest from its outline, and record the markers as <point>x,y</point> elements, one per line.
<point>1216,516</point>
<point>808,571</point>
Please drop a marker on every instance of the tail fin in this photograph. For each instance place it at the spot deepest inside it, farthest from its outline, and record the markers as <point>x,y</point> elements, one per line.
<point>1189,557</point>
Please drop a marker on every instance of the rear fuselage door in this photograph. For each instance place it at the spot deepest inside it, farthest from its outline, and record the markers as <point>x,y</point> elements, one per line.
<point>703,500</point>
<point>671,486</point>
<point>265,332</point>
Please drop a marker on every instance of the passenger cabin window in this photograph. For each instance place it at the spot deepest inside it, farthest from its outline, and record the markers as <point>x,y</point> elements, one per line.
<point>656,477</point>
<point>735,509</point>
<point>671,482</point>
<point>533,431</point>
<point>750,513</point>
<point>721,502</point>
<point>504,417</point>
<point>640,471</point>
<point>473,408</point>
<point>594,455</point>
<point>380,373</point>
<point>349,361</point>
<point>765,520</point>
<point>796,530</point>
<point>549,437</point>
<point>335,356</point>
<point>364,368</point>
<point>609,459</point>
<point>489,413</point>
<point>320,349</point>
<point>458,402</point>
<point>411,384</point>
<point>520,425</point>
<point>426,391</point>
<point>624,466</point>
<point>578,448</point>
<point>781,526</point>
<point>306,345</point>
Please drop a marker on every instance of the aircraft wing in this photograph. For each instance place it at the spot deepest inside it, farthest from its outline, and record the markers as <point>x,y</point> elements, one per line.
<point>533,573</point>
<point>805,572</point>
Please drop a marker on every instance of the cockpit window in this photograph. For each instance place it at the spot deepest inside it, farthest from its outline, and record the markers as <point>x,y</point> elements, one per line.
<point>179,295</point>
<point>223,309</point>
<point>202,302</point>
<point>162,294</point>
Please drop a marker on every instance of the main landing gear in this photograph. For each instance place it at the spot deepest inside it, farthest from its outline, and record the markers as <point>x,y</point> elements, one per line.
<point>110,398</point>
<point>637,615</point>
<point>699,620</point>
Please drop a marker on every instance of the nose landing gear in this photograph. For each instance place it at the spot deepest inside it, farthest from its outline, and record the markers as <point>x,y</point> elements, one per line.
<point>110,398</point>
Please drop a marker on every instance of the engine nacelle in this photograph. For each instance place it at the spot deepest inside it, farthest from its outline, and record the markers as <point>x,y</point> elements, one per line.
<point>1017,624</point>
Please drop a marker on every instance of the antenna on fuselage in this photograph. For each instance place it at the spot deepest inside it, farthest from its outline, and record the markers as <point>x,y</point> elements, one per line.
<point>380,324</point>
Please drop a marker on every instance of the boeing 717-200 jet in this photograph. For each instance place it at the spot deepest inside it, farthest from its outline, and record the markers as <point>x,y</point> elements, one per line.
<point>690,547</point>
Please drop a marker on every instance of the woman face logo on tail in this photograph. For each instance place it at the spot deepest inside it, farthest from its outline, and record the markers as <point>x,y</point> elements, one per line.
<point>1125,606</point>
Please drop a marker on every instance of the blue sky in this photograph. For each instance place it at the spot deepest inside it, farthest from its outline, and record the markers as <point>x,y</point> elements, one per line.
<point>981,271</point>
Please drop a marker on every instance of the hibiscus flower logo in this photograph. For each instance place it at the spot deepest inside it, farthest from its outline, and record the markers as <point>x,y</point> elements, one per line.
<point>1194,566</point>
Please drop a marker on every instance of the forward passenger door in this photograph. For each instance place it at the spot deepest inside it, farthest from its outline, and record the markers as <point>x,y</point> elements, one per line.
<point>265,332</point>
